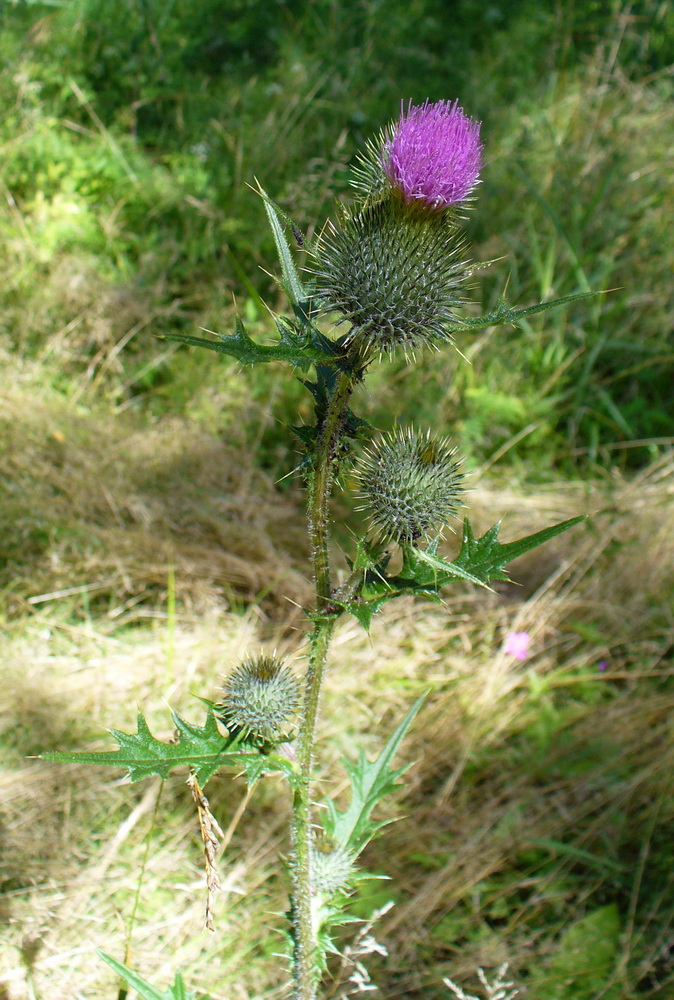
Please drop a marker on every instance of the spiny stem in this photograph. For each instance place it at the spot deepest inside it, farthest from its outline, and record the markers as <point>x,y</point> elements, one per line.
<point>318,503</point>
<point>321,487</point>
<point>305,943</point>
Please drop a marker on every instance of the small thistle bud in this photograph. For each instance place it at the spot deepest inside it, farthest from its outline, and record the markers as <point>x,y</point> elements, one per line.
<point>332,867</point>
<point>259,698</point>
<point>411,484</point>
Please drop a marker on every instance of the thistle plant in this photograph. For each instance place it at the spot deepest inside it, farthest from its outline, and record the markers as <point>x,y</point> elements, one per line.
<point>387,277</point>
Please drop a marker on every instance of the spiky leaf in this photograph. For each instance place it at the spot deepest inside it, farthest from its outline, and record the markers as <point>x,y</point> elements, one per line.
<point>202,748</point>
<point>370,782</point>
<point>423,570</point>
<point>486,558</point>
<point>504,314</point>
<point>298,347</point>
<point>147,992</point>
<point>424,573</point>
<point>291,283</point>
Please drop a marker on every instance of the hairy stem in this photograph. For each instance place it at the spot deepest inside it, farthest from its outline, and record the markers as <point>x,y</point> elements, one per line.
<point>321,487</point>
<point>322,477</point>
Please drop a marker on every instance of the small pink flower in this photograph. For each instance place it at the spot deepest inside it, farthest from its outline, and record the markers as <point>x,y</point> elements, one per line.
<point>435,154</point>
<point>517,644</point>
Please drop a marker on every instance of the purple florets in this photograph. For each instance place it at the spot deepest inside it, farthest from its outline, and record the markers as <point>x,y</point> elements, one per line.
<point>434,155</point>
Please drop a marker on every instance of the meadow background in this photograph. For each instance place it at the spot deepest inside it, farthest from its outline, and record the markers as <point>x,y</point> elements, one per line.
<point>149,537</point>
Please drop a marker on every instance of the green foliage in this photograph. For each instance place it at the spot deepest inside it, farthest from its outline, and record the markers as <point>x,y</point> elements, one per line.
<point>584,961</point>
<point>130,141</point>
<point>370,782</point>
<point>201,748</point>
<point>296,347</point>
<point>486,558</point>
<point>424,574</point>
<point>291,284</point>
<point>351,830</point>
<point>147,992</point>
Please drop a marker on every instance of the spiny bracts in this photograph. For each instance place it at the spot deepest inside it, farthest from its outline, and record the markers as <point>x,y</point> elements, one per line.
<point>411,484</point>
<point>260,697</point>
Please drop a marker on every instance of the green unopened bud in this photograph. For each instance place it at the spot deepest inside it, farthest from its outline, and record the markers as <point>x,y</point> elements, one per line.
<point>260,697</point>
<point>411,484</point>
<point>392,270</point>
<point>332,867</point>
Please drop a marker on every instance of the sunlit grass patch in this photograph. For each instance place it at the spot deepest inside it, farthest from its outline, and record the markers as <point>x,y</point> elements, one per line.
<point>98,509</point>
<point>542,790</point>
<point>70,882</point>
<point>539,794</point>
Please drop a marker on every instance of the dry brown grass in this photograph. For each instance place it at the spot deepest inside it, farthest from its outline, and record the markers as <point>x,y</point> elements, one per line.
<point>102,507</point>
<point>506,753</point>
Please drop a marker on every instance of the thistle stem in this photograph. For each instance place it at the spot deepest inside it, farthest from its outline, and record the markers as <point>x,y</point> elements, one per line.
<point>322,477</point>
<point>321,487</point>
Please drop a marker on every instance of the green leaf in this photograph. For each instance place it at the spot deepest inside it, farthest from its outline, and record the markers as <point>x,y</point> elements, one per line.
<point>370,782</point>
<point>486,558</point>
<point>424,573</point>
<point>373,591</point>
<point>365,610</point>
<point>147,992</point>
<point>298,348</point>
<point>202,748</point>
<point>504,314</point>
<point>291,283</point>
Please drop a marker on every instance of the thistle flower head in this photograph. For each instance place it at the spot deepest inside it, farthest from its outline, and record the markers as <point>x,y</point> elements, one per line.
<point>434,155</point>
<point>259,698</point>
<point>411,484</point>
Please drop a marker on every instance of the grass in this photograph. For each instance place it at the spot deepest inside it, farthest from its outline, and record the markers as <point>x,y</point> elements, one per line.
<point>148,541</point>
<point>540,796</point>
<point>128,210</point>
<point>167,493</point>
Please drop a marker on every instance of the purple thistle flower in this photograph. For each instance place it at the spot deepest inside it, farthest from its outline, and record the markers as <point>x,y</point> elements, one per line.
<point>434,155</point>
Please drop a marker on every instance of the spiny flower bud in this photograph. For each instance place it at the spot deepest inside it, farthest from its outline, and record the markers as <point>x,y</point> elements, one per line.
<point>392,270</point>
<point>411,484</point>
<point>332,867</point>
<point>259,698</point>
